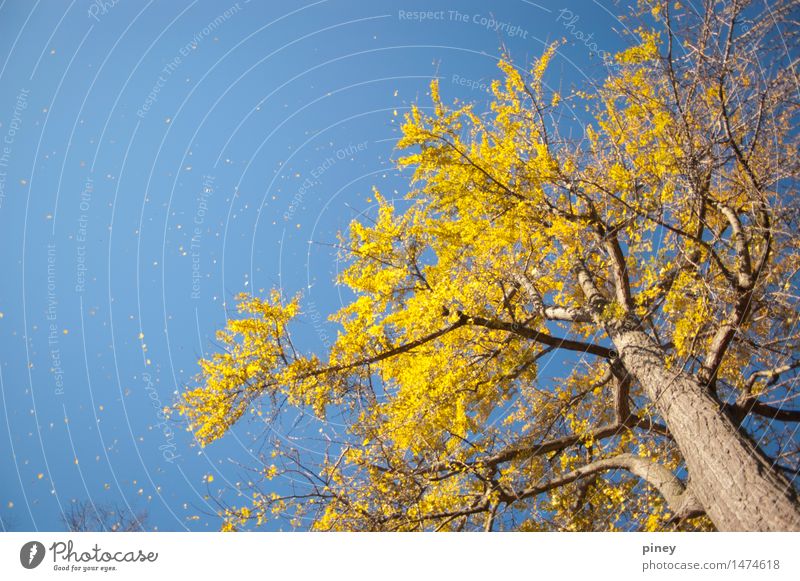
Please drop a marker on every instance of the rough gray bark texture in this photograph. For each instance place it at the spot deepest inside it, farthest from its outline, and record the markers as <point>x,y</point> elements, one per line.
<point>737,487</point>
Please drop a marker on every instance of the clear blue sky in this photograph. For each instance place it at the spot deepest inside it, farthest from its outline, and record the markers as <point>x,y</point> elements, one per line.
<point>156,159</point>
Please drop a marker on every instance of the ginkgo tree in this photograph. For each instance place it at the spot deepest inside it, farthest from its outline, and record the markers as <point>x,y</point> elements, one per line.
<point>657,255</point>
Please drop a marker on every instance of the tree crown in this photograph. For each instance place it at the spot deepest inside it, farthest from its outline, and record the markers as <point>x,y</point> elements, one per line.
<point>673,211</point>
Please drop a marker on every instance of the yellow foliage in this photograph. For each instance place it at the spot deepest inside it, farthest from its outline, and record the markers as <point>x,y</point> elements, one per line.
<point>430,369</point>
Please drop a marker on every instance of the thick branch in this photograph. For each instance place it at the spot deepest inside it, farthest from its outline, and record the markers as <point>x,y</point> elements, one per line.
<point>680,500</point>
<point>772,412</point>
<point>543,338</point>
<point>622,285</point>
<point>550,446</point>
<point>619,267</point>
<point>463,319</point>
<point>723,338</point>
<point>596,299</point>
<point>745,269</point>
<point>550,313</point>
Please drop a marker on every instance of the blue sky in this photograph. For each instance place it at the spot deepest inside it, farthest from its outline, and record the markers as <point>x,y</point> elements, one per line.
<point>156,159</point>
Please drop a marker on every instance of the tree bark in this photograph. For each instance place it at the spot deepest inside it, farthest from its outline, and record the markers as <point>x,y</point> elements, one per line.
<point>736,485</point>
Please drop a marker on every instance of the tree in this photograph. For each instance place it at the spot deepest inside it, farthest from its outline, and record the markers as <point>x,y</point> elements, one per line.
<point>85,516</point>
<point>658,253</point>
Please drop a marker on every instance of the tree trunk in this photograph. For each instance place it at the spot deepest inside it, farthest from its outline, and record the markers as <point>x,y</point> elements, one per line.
<point>738,488</point>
